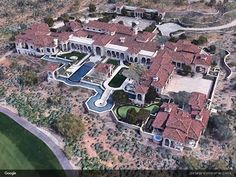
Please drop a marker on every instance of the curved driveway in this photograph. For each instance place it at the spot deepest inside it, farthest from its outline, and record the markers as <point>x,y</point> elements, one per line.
<point>168,28</point>
<point>228,25</point>
<point>42,136</point>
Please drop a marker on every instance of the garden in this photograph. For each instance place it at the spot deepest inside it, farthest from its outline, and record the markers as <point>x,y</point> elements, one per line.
<point>79,55</point>
<point>136,115</point>
<point>113,62</point>
<point>118,80</point>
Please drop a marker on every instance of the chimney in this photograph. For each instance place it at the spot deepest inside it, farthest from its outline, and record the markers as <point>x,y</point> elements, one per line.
<point>167,109</point>
<point>122,39</point>
<point>55,41</point>
<point>162,46</point>
<point>135,29</point>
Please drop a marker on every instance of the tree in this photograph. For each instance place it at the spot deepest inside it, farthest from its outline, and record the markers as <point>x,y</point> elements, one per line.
<point>92,7</point>
<point>134,72</point>
<point>181,98</point>
<point>120,97</point>
<point>151,95</point>
<point>69,126</point>
<point>187,69</point>
<point>64,17</point>
<point>202,40</point>
<point>49,21</point>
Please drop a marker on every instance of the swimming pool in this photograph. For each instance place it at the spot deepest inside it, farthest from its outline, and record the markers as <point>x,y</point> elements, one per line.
<point>81,72</point>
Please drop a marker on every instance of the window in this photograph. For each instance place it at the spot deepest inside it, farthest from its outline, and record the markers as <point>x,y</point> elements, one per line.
<point>139,97</point>
<point>48,50</point>
<point>143,60</point>
<point>167,142</point>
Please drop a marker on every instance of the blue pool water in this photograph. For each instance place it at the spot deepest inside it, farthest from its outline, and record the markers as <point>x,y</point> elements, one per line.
<point>81,72</point>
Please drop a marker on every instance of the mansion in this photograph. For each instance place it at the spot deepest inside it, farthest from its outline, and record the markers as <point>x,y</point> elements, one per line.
<point>179,128</point>
<point>118,42</point>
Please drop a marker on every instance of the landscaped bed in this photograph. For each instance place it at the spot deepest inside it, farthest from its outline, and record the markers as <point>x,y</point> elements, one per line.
<point>117,80</point>
<point>71,54</point>
<point>22,150</point>
<point>113,62</point>
<point>122,110</point>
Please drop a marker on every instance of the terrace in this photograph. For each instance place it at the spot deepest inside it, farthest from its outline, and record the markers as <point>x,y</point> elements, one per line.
<point>189,84</point>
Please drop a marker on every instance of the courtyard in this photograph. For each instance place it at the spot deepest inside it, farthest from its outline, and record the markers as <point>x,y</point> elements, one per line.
<point>141,23</point>
<point>189,84</point>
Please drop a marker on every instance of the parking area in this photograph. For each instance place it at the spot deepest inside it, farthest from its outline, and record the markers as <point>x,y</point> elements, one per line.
<point>189,84</point>
<point>141,23</point>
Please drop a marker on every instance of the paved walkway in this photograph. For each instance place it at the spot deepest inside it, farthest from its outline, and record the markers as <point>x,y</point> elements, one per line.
<point>41,135</point>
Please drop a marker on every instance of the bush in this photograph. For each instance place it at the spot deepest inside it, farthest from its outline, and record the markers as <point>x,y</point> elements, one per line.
<point>218,127</point>
<point>120,97</point>
<point>92,7</point>
<point>49,21</point>
<point>151,95</point>
<point>69,126</point>
<point>136,118</point>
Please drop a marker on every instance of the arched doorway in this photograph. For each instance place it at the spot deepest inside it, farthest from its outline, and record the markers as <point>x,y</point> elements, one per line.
<point>109,53</point>
<point>98,50</point>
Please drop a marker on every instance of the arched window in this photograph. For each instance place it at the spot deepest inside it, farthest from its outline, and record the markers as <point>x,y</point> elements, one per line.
<point>64,47</point>
<point>73,46</point>
<point>131,59</point>
<point>148,61</point>
<point>113,54</point>
<point>136,60</point>
<point>117,55</point>
<point>143,60</point>
<point>122,56</point>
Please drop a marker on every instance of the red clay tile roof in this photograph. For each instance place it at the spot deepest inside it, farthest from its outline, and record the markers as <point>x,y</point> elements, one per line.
<point>145,36</point>
<point>201,59</point>
<point>80,33</point>
<point>186,46</point>
<point>178,124</point>
<point>197,101</point>
<point>174,134</point>
<point>161,68</point>
<point>75,26</point>
<point>38,35</point>
<point>102,40</point>
<point>141,89</point>
<point>64,36</point>
<point>160,120</point>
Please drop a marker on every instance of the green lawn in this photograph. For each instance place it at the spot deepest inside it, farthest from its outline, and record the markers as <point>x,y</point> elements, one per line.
<point>117,80</point>
<point>114,62</point>
<point>122,111</point>
<point>78,54</point>
<point>22,150</point>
